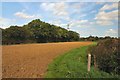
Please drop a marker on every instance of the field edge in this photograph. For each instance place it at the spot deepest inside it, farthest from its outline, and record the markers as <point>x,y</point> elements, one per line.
<point>73,64</point>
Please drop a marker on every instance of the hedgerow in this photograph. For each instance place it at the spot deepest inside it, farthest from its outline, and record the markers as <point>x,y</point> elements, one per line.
<point>106,56</point>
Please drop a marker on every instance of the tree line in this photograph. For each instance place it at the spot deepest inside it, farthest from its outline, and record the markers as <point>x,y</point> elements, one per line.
<point>96,38</point>
<point>37,31</point>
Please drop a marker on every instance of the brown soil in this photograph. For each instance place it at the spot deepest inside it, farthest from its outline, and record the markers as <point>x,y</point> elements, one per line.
<point>31,60</point>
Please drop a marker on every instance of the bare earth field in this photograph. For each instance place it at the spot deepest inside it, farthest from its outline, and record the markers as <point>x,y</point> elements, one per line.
<point>31,60</point>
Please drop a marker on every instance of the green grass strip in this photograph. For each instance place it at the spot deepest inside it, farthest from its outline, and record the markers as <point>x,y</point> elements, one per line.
<point>73,64</point>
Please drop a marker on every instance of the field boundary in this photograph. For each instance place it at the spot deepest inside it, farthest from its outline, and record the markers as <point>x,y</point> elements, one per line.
<point>73,64</point>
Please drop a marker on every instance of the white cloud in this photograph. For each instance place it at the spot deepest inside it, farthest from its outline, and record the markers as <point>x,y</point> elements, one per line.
<point>111,32</point>
<point>79,8</point>
<point>94,11</point>
<point>26,16</point>
<point>102,15</point>
<point>58,23</point>
<point>84,21</point>
<point>106,18</point>
<point>100,3</point>
<point>77,5</point>
<point>59,0</point>
<point>87,31</point>
<point>58,9</point>
<point>55,22</point>
<point>5,23</point>
<point>83,15</point>
<point>104,23</point>
<point>72,24</point>
<point>79,23</point>
<point>110,6</point>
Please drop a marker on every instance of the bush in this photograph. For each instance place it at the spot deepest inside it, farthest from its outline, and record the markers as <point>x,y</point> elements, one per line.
<point>107,56</point>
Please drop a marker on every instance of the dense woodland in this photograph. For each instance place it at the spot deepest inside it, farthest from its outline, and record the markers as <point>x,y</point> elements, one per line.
<point>37,31</point>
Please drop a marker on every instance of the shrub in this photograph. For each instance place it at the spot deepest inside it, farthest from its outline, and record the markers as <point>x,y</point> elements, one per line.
<point>107,56</point>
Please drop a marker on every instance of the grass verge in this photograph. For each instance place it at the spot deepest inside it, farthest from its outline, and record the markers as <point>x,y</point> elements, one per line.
<point>73,64</point>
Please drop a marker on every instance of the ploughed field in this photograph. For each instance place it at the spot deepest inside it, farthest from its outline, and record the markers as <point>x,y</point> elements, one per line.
<point>31,60</point>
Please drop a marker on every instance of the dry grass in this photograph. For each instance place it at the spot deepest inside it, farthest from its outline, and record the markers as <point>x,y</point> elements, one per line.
<point>31,60</point>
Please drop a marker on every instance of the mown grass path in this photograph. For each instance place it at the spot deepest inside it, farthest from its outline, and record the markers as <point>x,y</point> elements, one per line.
<point>73,64</point>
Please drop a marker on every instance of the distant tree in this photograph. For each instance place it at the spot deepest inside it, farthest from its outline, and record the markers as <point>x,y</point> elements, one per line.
<point>73,36</point>
<point>1,35</point>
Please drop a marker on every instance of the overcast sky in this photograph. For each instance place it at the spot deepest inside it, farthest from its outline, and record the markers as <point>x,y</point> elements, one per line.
<point>86,18</point>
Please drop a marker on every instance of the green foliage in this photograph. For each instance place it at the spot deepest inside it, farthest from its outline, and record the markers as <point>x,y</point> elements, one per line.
<point>73,65</point>
<point>73,36</point>
<point>15,34</point>
<point>107,55</point>
<point>37,31</point>
<point>95,38</point>
<point>1,36</point>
